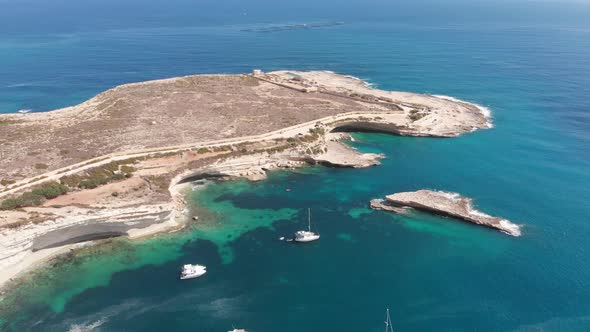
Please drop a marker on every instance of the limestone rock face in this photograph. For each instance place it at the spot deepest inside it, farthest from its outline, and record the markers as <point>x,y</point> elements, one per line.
<point>448,204</point>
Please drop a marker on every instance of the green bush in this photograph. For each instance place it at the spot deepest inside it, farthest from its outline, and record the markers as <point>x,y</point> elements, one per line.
<point>30,199</point>
<point>117,177</point>
<point>41,166</point>
<point>5,182</point>
<point>92,183</point>
<point>71,181</point>
<point>51,190</point>
<point>34,197</point>
<point>203,150</point>
<point>9,204</point>
<point>127,169</point>
<point>100,175</point>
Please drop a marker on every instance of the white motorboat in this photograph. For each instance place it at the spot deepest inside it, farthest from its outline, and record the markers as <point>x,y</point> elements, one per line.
<point>308,235</point>
<point>190,271</point>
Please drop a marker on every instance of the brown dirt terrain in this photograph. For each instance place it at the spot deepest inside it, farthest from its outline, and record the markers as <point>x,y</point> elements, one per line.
<point>156,114</point>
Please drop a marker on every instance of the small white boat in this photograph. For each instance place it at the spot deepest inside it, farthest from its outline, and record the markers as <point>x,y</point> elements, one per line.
<point>24,111</point>
<point>190,271</point>
<point>238,330</point>
<point>308,235</point>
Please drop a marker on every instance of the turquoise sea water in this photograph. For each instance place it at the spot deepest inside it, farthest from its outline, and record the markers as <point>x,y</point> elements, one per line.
<point>528,62</point>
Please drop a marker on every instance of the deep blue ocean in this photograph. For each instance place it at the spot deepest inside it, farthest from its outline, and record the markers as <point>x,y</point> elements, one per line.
<point>529,62</point>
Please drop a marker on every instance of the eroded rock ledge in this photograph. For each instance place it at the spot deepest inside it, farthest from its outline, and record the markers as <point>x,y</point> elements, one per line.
<point>444,203</point>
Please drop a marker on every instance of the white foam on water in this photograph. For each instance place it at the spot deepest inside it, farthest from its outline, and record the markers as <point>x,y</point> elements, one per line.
<point>19,85</point>
<point>364,82</point>
<point>487,113</point>
<point>514,229</point>
<point>478,213</point>
<point>510,228</point>
<point>24,110</point>
<point>452,196</point>
<point>87,326</point>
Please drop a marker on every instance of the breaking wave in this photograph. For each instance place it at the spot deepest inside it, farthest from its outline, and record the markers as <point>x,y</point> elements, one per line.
<point>365,83</point>
<point>515,229</point>
<point>452,196</point>
<point>477,213</point>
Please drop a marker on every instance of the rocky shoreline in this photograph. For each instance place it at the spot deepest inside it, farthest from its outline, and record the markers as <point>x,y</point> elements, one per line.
<point>151,201</point>
<point>445,204</point>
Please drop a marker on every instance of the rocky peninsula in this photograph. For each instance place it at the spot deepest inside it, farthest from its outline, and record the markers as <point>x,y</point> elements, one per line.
<point>446,204</point>
<point>116,165</point>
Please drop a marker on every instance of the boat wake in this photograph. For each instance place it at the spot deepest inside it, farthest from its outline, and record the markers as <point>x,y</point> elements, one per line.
<point>87,327</point>
<point>484,110</point>
<point>20,85</point>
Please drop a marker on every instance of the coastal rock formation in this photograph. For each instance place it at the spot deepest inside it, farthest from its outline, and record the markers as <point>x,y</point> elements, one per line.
<point>446,204</point>
<point>381,204</point>
<point>97,228</point>
<point>20,249</point>
<point>420,114</point>
<point>198,108</point>
<point>331,153</point>
<point>125,155</point>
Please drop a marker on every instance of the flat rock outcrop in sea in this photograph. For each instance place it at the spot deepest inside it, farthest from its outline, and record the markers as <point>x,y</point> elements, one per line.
<point>447,204</point>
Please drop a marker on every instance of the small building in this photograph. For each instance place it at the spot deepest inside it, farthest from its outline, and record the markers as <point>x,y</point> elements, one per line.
<point>311,89</point>
<point>257,72</point>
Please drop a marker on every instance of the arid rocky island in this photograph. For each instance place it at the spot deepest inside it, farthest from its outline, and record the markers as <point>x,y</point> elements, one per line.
<point>446,204</point>
<point>116,164</point>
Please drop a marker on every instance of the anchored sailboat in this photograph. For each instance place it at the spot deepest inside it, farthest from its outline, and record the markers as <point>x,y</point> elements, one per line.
<point>388,325</point>
<point>308,235</point>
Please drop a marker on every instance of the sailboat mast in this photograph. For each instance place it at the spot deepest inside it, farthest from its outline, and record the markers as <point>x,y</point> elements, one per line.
<point>388,325</point>
<point>309,219</point>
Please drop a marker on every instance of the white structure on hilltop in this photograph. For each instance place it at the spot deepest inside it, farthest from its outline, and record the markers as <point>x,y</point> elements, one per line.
<point>257,72</point>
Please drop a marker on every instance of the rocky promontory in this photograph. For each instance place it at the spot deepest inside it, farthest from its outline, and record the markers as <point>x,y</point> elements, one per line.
<point>446,204</point>
<point>120,160</point>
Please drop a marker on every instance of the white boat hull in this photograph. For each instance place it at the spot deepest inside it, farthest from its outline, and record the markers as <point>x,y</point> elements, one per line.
<point>192,276</point>
<point>308,235</point>
<point>307,238</point>
<point>190,271</point>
